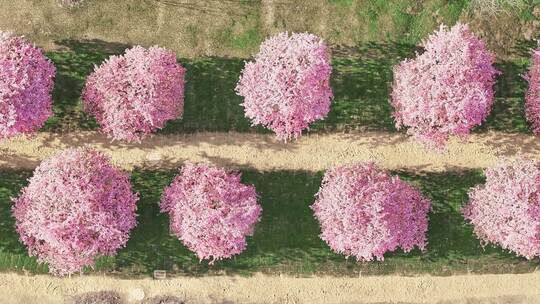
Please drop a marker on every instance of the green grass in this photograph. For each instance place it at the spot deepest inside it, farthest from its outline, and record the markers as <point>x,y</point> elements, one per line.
<point>235,28</point>
<point>361,82</point>
<point>345,3</point>
<point>286,240</point>
<point>407,21</point>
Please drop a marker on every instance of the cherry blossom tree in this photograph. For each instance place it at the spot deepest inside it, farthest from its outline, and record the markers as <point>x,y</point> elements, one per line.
<point>287,86</point>
<point>26,83</point>
<point>76,207</point>
<point>211,211</point>
<point>505,211</point>
<point>365,212</point>
<point>135,94</point>
<point>447,90</point>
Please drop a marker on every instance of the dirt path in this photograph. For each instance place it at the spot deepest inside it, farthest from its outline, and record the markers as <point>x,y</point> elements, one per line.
<point>520,288</point>
<point>263,152</point>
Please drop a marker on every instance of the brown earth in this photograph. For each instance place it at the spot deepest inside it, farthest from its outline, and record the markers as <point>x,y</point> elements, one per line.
<point>234,28</point>
<point>515,288</point>
<point>263,152</point>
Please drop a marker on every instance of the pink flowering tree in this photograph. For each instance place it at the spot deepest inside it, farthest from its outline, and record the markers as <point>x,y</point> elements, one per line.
<point>76,207</point>
<point>135,94</point>
<point>26,83</point>
<point>505,211</point>
<point>447,90</point>
<point>211,211</point>
<point>532,97</point>
<point>287,86</point>
<point>365,212</point>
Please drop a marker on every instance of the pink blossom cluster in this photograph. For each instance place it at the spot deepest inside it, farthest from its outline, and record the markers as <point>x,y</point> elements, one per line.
<point>447,90</point>
<point>506,209</point>
<point>365,212</point>
<point>135,94</point>
<point>287,86</point>
<point>532,97</point>
<point>76,207</point>
<point>211,211</point>
<point>26,83</point>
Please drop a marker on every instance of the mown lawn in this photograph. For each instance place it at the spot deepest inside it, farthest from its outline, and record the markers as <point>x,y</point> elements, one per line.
<point>286,240</point>
<point>361,83</point>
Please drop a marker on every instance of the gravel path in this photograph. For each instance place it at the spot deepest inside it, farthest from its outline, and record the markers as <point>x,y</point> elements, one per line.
<point>511,288</point>
<point>263,152</point>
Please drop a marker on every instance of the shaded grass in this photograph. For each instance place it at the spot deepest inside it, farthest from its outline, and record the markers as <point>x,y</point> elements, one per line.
<point>286,240</point>
<point>361,82</point>
<point>13,255</point>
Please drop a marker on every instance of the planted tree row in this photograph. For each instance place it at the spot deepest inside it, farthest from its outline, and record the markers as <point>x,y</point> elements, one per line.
<point>445,91</point>
<point>78,207</point>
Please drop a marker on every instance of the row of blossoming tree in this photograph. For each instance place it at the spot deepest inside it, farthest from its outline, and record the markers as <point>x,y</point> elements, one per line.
<point>445,91</point>
<point>77,207</point>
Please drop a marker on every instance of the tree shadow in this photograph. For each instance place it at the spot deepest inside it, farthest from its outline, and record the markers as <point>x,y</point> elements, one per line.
<point>13,255</point>
<point>13,160</point>
<point>11,182</point>
<point>360,80</point>
<point>152,152</point>
<point>74,62</point>
<point>508,112</point>
<point>286,240</point>
<point>210,103</point>
<point>452,247</point>
<point>523,48</point>
<point>512,144</point>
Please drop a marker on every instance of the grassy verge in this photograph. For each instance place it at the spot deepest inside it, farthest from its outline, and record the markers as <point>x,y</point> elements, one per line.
<point>361,83</point>
<point>286,240</point>
<point>235,28</point>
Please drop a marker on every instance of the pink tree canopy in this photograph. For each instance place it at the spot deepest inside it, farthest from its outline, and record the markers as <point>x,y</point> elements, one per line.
<point>287,86</point>
<point>26,83</point>
<point>505,211</point>
<point>532,97</point>
<point>365,212</point>
<point>135,94</point>
<point>76,207</point>
<point>211,211</point>
<point>447,90</point>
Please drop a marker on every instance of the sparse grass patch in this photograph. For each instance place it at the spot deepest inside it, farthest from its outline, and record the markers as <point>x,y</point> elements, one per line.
<point>493,7</point>
<point>250,39</point>
<point>407,21</point>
